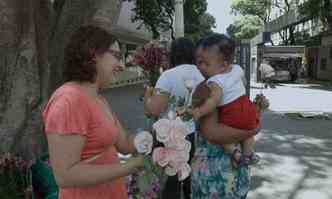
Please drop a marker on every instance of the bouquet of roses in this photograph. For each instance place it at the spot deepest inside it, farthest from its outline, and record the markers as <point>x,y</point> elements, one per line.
<point>151,57</point>
<point>168,155</point>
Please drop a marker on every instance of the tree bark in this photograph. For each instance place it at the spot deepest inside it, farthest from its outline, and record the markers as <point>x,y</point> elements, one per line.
<point>32,39</point>
<point>74,13</point>
<point>21,76</point>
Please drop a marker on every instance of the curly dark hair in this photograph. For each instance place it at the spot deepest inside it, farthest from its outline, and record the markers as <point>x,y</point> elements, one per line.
<point>83,46</point>
<point>224,44</point>
<point>182,52</point>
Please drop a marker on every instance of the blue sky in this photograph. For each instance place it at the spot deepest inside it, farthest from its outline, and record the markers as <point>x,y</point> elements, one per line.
<point>221,9</point>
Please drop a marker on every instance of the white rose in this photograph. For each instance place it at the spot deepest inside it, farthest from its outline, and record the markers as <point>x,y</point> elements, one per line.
<point>162,127</point>
<point>189,83</point>
<point>184,172</point>
<point>170,171</point>
<point>143,142</point>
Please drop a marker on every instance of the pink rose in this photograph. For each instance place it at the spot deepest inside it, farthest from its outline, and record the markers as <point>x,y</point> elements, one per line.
<point>177,158</point>
<point>162,128</point>
<point>160,155</point>
<point>178,142</point>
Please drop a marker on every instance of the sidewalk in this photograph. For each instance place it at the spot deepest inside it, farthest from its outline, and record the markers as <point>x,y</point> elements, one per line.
<point>296,97</point>
<point>296,159</point>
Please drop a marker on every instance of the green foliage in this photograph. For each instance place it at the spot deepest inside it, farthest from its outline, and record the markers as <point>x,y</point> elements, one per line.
<point>157,16</point>
<point>205,25</point>
<point>197,22</point>
<point>259,8</point>
<point>245,27</point>
<point>318,9</point>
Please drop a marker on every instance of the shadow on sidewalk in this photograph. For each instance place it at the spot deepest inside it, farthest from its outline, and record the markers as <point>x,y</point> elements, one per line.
<point>294,165</point>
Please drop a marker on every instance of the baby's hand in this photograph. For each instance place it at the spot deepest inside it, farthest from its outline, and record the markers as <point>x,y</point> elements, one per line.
<point>196,113</point>
<point>261,102</point>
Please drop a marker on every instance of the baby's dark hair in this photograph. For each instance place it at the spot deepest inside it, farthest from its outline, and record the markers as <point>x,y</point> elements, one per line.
<point>224,44</point>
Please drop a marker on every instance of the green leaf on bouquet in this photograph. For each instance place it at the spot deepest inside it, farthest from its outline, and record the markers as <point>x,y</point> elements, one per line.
<point>186,117</point>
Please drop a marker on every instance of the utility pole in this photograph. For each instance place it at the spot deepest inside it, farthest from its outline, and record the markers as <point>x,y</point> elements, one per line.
<point>179,19</point>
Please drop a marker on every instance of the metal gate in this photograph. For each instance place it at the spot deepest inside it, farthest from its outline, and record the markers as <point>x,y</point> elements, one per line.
<point>242,57</point>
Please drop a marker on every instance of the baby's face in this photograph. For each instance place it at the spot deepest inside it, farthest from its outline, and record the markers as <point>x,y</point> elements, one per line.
<point>209,61</point>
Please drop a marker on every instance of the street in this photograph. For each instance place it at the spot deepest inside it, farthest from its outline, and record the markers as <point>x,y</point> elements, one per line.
<point>296,153</point>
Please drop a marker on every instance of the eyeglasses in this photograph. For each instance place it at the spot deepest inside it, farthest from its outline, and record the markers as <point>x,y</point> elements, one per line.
<point>115,53</point>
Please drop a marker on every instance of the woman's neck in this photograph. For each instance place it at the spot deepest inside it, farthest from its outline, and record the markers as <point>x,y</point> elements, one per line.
<point>92,89</point>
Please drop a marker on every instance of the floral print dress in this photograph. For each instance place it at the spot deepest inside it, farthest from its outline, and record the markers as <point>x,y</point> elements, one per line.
<point>213,176</point>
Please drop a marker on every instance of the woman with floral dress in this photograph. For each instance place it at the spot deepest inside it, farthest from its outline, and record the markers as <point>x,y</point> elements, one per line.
<point>213,175</point>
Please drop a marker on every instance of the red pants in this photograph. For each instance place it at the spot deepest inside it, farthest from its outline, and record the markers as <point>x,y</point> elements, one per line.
<point>240,114</point>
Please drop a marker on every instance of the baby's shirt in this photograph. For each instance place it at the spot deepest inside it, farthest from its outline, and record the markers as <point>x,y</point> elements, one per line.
<point>231,84</point>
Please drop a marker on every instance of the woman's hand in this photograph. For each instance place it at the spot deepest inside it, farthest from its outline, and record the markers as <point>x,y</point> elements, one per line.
<point>195,113</point>
<point>137,163</point>
<point>148,92</point>
<point>155,103</point>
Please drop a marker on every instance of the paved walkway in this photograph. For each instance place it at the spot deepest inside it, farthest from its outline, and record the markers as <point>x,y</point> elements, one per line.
<point>296,97</point>
<point>296,159</point>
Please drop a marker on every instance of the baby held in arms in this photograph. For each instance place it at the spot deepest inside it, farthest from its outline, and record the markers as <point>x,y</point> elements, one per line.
<point>227,94</point>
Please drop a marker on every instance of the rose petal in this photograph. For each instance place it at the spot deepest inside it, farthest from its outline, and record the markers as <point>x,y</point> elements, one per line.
<point>170,171</point>
<point>189,83</point>
<point>162,128</point>
<point>184,172</point>
<point>187,146</point>
<point>160,156</point>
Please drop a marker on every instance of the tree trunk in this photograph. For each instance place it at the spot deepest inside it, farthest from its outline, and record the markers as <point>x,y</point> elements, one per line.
<point>32,40</point>
<point>22,68</point>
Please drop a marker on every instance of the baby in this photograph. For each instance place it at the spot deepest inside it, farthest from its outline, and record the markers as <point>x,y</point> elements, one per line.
<point>227,94</point>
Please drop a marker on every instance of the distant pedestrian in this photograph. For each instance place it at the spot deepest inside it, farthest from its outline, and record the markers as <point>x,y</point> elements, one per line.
<point>267,73</point>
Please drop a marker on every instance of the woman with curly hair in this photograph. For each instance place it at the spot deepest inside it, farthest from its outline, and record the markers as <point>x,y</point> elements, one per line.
<point>84,135</point>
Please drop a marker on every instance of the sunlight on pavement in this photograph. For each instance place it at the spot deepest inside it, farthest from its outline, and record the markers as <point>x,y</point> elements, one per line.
<point>293,98</point>
<point>292,167</point>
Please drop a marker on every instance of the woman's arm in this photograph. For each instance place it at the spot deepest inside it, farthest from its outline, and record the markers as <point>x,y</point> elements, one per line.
<point>211,129</point>
<point>217,133</point>
<point>125,141</point>
<point>155,103</point>
<point>70,171</point>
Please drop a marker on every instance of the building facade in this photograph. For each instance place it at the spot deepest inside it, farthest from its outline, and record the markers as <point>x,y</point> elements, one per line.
<point>307,32</point>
